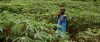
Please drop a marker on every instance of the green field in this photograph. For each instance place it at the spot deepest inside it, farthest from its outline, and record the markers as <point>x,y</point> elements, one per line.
<point>28,20</point>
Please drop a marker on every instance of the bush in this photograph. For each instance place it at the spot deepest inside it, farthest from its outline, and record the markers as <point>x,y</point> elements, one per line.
<point>29,21</point>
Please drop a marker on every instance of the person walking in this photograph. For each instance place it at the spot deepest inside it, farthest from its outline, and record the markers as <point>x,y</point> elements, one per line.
<point>62,20</point>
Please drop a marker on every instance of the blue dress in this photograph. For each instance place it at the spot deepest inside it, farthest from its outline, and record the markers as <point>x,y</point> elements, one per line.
<point>62,24</point>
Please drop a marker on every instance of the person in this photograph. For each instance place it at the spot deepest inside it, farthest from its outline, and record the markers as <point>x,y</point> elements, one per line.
<point>62,20</point>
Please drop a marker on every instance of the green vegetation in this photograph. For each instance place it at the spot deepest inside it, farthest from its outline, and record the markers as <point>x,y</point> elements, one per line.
<point>28,20</point>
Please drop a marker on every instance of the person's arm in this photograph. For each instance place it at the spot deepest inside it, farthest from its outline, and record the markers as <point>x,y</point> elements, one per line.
<point>63,18</point>
<point>51,17</point>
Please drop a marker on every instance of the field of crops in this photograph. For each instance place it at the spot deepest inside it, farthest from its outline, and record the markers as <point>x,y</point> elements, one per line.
<point>29,21</point>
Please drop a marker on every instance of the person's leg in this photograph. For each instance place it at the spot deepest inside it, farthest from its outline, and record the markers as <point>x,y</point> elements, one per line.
<point>64,29</point>
<point>58,28</point>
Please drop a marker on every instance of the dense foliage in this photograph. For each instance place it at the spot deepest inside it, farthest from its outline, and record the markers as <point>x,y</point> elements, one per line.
<point>29,21</point>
